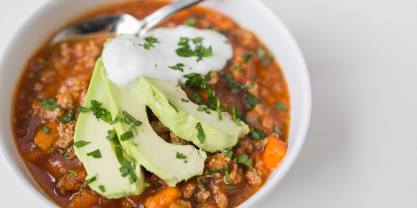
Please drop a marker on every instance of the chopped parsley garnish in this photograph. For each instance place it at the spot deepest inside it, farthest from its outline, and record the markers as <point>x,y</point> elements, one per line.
<point>100,113</point>
<point>256,134</point>
<point>203,184</point>
<point>229,63</point>
<point>190,22</point>
<point>200,134</point>
<point>83,109</point>
<point>232,83</point>
<point>277,130</point>
<point>245,160</point>
<point>226,173</point>
<point>150,41</point>
<point>203,108</point>
<point>234,116</point>
<point>224,169</point>
<point>219,111</point>
<point>156,185</point>
<point>130,119</point>
<point>81,144</point>
<point>95,154</point>
<point>238,68</point>
<point>228,153</point>
<point>126,136</point>
<point>49,104</point>
<point>45,129</point>
<point>117,119</point>
<point>247,57</point>
<point>200,51</point>
<point>224,32</point>
<point>196,98</point>
<point>240,115</point>
<point>251,101</point>
<point>65,154</point>
<point>127,167</point>
<point>90,180</point>
<point>177,67</point>
<point>230,187</point>
<point>112,136</point>
<point>101,187</point>
<point>181,156</point>
<point>193,80</point>
<point>67,118</point>
<point>73,172</point>
<point>173,106</point>
<point>259,120</point>
<point>281,106</point>
<point>261,52</point>
<point>184,100</point>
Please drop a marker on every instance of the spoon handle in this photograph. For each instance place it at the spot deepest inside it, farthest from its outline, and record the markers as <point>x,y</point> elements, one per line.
<point>161,14</point>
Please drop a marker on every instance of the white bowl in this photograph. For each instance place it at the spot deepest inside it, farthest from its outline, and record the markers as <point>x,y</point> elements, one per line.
<point>251,14</point>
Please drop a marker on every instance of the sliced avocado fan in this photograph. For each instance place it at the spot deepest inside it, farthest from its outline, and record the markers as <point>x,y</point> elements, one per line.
<point>171,105</point>
<point>172,163</point>
<point>104,160</point>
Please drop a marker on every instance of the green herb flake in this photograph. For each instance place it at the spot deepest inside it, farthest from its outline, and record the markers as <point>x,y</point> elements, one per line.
<point>95,154</point>
<point>112,136</point>
<point>102,189</point>
<point>232,83</point>
<point>196,98</point>
<point>73,172</point>
<point>200,134</point>
<point>251,101</point>
<point>190,22</point>
<point>199,50</point>
<point>150,41</point>
<point>90,180</point>
<point>156,185</point>
<point>231,187</point>
<point>234,116</point>
<point>178,67</point>
<point>261,52</point>
<point>251,85</point>
<point>281,106</point>
<point>45,129</point>
<point>219,111</point>
<point>130,119</point>
<point>80,144</point>
<point>256,134</point>
<point>65,154</point>
<point>67,118</point>
<point>203,184</point>
<point>173,106</point>
<point>224,169</point>
<point>184,100</point>
<point>276,130</point>
<point>117,119</point>
<point>243,159</point>
<point>181,156</point>
<point>126,136</point>
<point>179,84</point>
<point>247,57</point>
<point>227,153</point>
<point>193,80</point>
<point>224,32</point>
<point>238,68</point>
<point>127,167</point>
<point>227,175</point>
<point>49,104</point>
<point>83,109</point>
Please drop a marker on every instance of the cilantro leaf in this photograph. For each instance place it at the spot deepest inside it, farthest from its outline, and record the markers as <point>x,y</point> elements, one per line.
<point>127,167</point>
<point>83,109</point>
<point>181,156</point>
<point>251,101</point>
<point>196,98</point>
<point>126,136</point>
<point>190,22</point>
<point>193,80</point>
<point>45,129</point>
<point>112,136</point>
<point>256,134</point>
<point>117,119</point>
<point>247,57</point>
<point>80,144</point>
<point>131,119</point>
<point>178,67</point>
<point>49,104</point>
<point>101,187</point>
<point>219,111</point>
<point>228,153</point>
<point>95,154</point>
<point>230,187</point>
<point>281,106</point>
<point>276,130</point>
<point>67,118</point>
<point>173,106</point>
<point>200,134</point>
<point>234,116</point>
<point>243,159</point>
<point>73,172</point>
<point>203,184</point>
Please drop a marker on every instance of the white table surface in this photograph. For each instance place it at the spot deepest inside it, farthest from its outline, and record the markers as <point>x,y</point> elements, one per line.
<point>361,149</point>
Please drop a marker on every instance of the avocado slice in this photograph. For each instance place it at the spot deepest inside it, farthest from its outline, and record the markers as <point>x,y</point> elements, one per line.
<point>161,96</point>
<point>165,160</point>
<point>105,169</point>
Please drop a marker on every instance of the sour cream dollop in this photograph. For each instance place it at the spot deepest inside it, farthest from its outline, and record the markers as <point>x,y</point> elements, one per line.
<point>125,58</point>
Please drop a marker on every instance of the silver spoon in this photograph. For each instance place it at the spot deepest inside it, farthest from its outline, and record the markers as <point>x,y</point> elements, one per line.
<point>121,23</point>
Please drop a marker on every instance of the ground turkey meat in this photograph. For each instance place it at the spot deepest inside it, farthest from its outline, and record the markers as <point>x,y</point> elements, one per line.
<point>261,118</point>
<point>217,161</point>
<point>220,197</point>
<point>188,189</point>
<point>67,99</point>
<point>66,135</point>
<point>177,140</point>
<point>254,176</point>
<point>160,129</point>
<point>180,204</point>
<point>51,115</point>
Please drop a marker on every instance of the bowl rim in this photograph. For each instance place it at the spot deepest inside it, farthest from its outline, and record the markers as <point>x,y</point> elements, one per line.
<point>255,199</point>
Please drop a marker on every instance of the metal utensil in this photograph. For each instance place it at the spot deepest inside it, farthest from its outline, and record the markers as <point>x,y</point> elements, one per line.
<point>121,23</point>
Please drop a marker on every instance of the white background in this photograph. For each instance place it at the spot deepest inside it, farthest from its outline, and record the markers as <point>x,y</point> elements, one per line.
<point>361,149</point>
